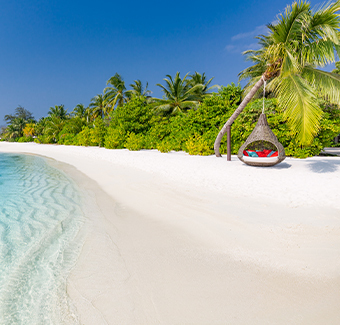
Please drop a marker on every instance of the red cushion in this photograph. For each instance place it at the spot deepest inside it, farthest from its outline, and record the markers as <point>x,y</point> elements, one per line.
<point>261,153</point>
<point>245,153</point>
<point>266,151</point>
<point>275,154</point>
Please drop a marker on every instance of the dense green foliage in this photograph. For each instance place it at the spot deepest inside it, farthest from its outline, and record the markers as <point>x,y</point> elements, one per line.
<point>135,125</point>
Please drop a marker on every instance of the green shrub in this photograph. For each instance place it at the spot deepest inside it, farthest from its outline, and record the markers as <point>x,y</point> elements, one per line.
<point>159,129</point>
<point>45,139</point>
<point>69,139</point>
<point>71,128</point>
<point>25,139</point>
<point>84,137</point>
<point>135,141</point>
<point>196,145</point>
<point>134,116</point>
<point>115,138</point>
<point>98,132</point>
<point>164,146</point>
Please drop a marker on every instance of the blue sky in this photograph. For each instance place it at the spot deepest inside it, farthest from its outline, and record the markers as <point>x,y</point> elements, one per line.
<point>63,52</point>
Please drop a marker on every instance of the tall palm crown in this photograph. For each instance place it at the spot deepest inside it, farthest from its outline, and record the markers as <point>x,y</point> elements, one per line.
<point>114,94</point>
<point>79,110</point>
<point>53,126</point>
<point>15,129</point>
<point>138,89</point>
<point>179,95</point>
<point>201,79</point>
<point>58,111</point>
<point>97,106</point>
<point>300,41</point>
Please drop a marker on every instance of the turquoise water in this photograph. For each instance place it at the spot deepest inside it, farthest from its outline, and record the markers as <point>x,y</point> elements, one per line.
<point>40,240</point>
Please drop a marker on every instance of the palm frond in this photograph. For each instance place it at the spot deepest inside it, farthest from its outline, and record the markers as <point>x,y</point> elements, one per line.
<point>327,83</point>
<point>298,100</point>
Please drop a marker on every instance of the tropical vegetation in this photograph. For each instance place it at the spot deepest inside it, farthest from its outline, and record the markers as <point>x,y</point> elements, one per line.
<point>300,41</point>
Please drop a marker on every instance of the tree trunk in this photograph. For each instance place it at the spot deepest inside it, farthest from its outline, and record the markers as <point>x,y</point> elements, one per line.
<point>233,117</point>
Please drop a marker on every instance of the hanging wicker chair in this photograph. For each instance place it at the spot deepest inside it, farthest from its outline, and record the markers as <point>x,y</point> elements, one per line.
<point>262,138</point>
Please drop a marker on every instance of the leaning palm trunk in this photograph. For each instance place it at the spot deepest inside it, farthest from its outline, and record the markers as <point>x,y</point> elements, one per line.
<point>233,117</point>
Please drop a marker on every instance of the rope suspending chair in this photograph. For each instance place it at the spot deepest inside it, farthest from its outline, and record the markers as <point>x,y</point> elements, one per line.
<point>262,148</point>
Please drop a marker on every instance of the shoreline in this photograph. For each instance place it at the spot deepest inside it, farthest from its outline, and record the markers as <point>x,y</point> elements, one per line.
<point>172,243</point>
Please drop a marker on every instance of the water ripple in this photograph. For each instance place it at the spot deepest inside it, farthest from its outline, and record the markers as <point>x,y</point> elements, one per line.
<point>40,220</point>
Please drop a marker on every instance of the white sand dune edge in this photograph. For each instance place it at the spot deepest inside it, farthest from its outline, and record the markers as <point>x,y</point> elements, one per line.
<point>199,240</point>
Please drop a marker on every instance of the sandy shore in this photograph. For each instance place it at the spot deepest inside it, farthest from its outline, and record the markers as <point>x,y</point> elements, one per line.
<point>179,239</point>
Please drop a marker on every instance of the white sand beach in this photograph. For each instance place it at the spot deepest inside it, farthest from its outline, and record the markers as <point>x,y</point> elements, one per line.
<point>179,239</point>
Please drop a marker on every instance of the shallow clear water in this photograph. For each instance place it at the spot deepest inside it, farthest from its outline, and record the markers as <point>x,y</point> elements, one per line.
<point>40,240</point>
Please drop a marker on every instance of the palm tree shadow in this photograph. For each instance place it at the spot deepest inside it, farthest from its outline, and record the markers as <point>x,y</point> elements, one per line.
<point>324,166</point>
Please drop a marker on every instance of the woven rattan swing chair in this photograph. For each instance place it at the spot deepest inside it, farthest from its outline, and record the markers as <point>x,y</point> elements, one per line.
<point>262,148</point>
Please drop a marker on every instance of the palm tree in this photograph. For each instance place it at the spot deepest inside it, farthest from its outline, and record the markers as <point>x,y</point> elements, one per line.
<point>179,96</point>
<point>53,127</point>
<point>115,93</point>
<point>201,79</point>
<point>298,42</point>
<point>58,111</point>
<point>15,129</point>
<point>138,90</point>
<point>79,111</point>
<point>89,114</point>
<point>12,132</point>
<point>97,106</point>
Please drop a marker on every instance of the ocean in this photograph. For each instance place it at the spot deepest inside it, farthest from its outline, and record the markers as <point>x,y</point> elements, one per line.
<point>41,219</point>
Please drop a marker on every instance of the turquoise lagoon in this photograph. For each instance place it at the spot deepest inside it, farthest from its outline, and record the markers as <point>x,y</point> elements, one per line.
<point>41,219</point>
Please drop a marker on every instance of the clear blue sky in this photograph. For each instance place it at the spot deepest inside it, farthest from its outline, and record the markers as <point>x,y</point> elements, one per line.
<point>62,52</point>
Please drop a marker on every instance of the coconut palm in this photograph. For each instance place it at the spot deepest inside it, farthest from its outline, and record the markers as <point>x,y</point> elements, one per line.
<point>297,43</point>
<point>12,132</point>
<point>88,115</point>
<point>53,127</point>
<point>115,93</point>
<point>138,90</point>
<point>97,106</point>
<point>15,129</point>
<point>179,95</point>
<point>79,111</point>
<point>58,111</point>
<point>201,79</point>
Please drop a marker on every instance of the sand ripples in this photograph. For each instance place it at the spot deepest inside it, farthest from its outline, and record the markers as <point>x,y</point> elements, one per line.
<point>40,220</point>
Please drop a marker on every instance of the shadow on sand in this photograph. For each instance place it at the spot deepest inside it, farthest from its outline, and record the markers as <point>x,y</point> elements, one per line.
<point>327,165</point>
<point>278,166</point>
<point>282,165</point>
